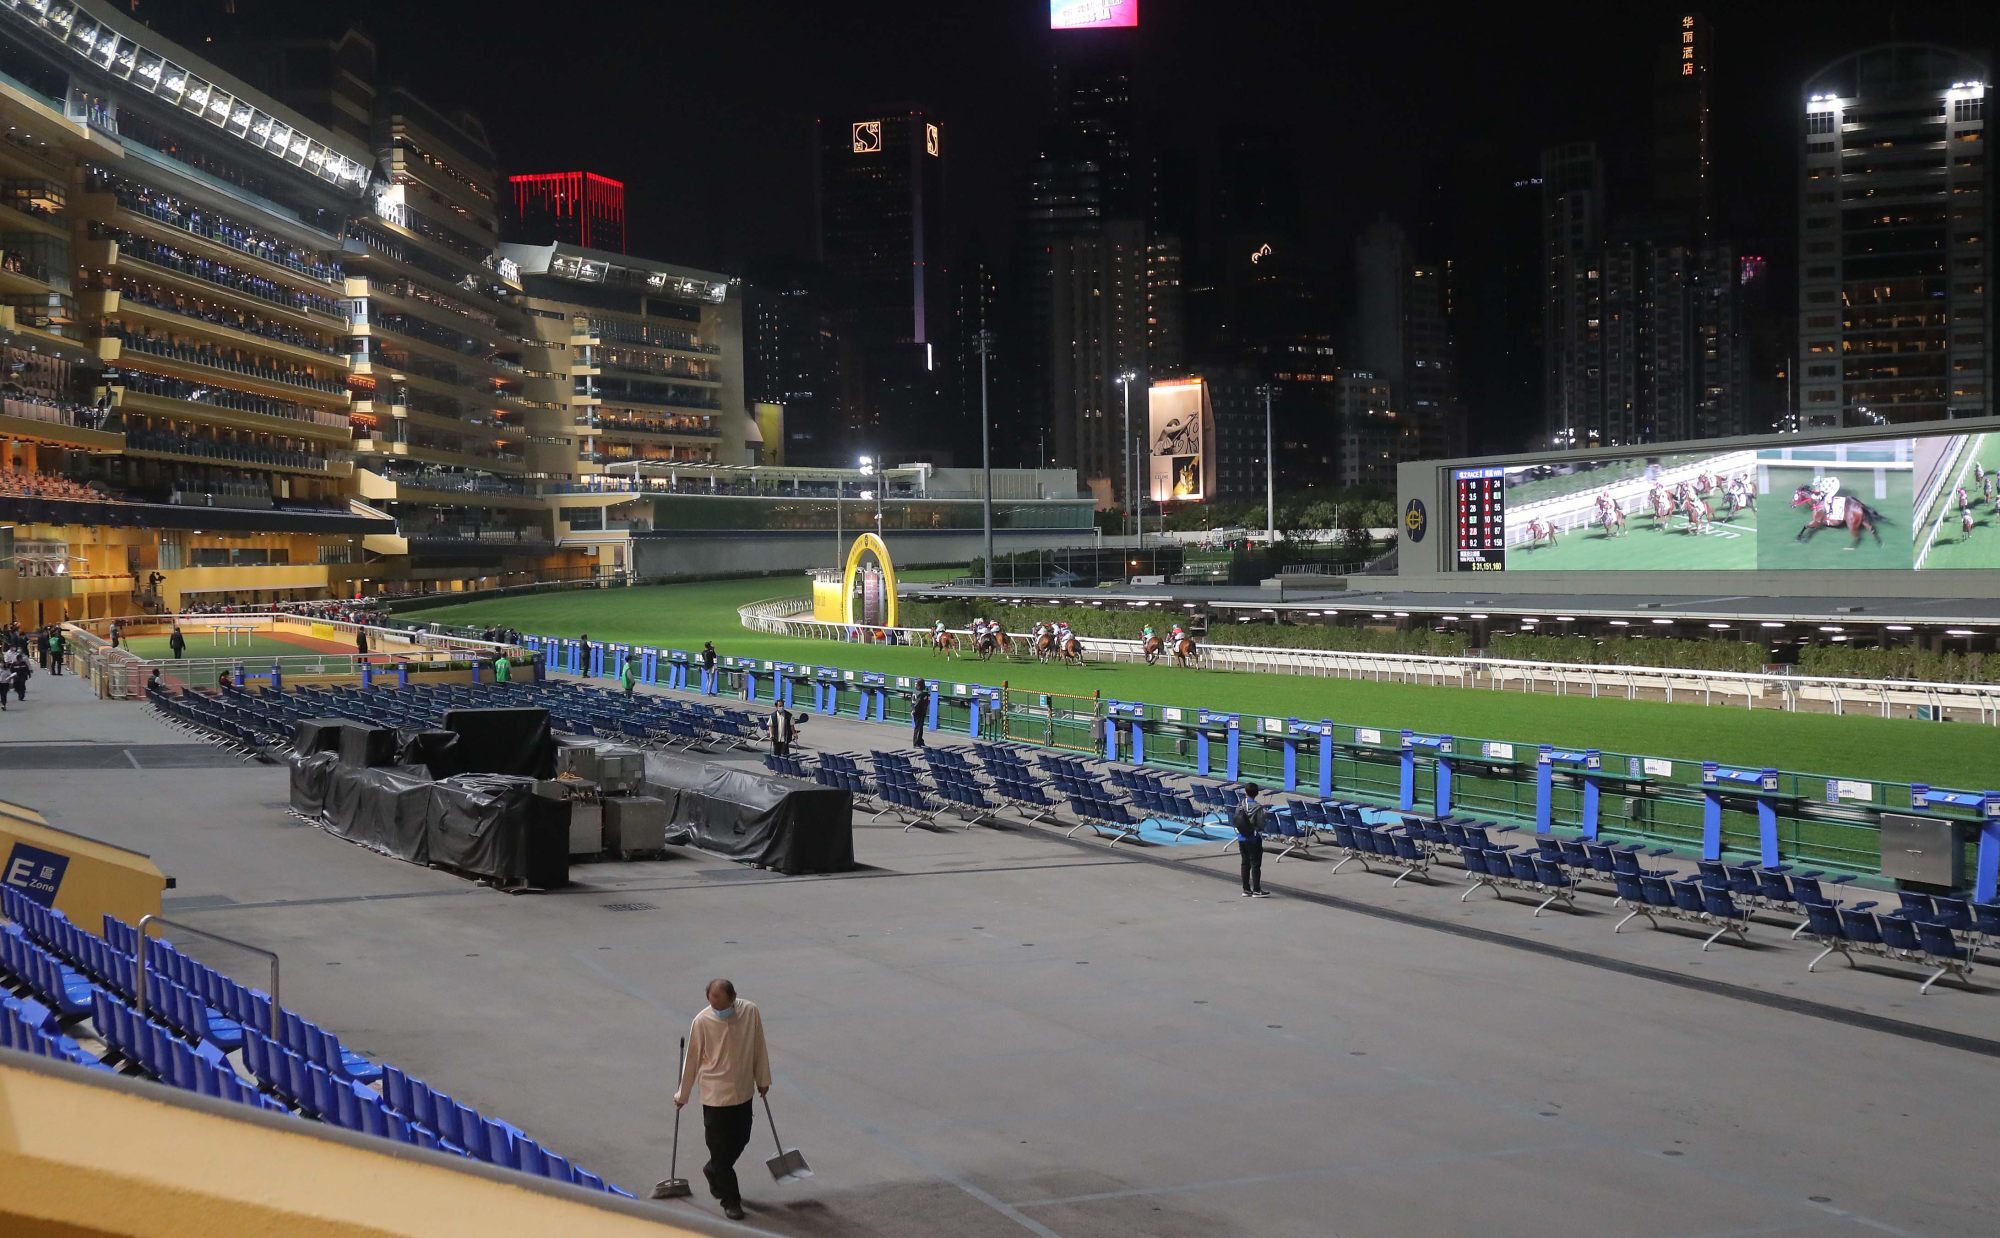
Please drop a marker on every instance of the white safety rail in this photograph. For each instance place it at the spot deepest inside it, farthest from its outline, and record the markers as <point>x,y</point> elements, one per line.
<point>1887,698</point>
<point>121,674</point>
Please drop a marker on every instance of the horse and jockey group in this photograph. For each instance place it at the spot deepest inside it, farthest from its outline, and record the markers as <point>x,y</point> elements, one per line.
<point>1833,510</point>
<point>1053,641</point>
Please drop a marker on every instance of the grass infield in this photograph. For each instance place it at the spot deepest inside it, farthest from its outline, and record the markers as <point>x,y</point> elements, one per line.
<point>683,616</point>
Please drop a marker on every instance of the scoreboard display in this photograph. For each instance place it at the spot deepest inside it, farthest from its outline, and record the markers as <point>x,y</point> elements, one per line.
<point>1481,503</point>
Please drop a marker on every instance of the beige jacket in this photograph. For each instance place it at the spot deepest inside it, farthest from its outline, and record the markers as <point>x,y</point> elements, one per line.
<point>727,1056</point>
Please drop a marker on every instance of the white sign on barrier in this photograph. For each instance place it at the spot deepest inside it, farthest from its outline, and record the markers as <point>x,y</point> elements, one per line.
<point>1170,714</point>
<point>1274,726</point>
<point>1367,735</point>
<point>1500,752</point>
<point>1657,768</point>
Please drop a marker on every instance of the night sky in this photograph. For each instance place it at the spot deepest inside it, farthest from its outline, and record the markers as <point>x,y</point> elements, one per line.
<point>705,109</point>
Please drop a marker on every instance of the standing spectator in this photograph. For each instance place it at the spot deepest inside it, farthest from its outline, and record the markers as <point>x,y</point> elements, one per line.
<point>1248,819</point>
<point>361,642</point>
<point>117,633</point>
<point>502,668</point>
<point>783,729</point>
<point>920,712</point>
<point>58,647</point>
<point>726,1054</point>
<point>12,663</point>
<point>42,646</point>
<point>708,656</point>
<point>627,678</point>
<point>177,642</point>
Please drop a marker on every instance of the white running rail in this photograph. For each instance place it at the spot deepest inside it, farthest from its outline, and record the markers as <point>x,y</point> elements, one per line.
<point>1887,698</point>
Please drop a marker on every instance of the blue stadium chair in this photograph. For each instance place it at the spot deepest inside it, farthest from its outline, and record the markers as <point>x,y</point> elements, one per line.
<point>1556,882</point>
<point>1941,950</point>
<point>1726,915</point>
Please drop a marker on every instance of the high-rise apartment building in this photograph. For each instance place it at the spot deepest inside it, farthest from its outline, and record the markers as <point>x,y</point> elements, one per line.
<point>881,184</point>
<point>570,208</point>
<point>1402,334</point>
<point>1572,293</point>
<point>793,353</point>
<point>1895,239</point>
<point>1373,438</point>
<point>1098,333</point>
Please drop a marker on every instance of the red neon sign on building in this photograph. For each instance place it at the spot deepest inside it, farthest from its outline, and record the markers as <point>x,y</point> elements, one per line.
<point>581,208</point>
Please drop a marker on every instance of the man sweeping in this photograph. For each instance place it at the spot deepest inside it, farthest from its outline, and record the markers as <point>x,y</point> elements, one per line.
<point>726,1053</point>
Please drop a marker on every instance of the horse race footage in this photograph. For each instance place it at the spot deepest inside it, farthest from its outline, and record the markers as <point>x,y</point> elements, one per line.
<point>1682,512</point>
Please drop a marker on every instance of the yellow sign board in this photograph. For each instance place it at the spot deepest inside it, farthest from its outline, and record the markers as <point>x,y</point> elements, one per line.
<point>81,877</point>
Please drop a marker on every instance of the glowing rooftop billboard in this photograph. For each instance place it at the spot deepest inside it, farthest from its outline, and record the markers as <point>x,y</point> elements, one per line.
<point>1092,14</point>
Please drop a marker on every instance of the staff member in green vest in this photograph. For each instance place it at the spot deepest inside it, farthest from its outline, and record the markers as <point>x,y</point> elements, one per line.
<point>502,668</point>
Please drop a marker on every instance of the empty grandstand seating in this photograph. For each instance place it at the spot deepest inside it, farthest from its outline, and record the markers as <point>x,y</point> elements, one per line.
<point>75,996</point>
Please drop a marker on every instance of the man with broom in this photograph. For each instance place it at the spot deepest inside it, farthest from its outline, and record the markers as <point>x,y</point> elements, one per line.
<point>726,1053</point>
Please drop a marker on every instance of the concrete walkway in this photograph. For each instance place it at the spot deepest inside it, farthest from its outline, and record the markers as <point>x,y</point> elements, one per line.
<point>996,1031</point>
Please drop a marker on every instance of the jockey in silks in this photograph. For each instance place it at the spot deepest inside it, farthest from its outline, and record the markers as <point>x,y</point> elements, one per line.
<point>1179,635</point>
<point>937,632</point>
<point>1825,489</point>
<point>1146,635</point>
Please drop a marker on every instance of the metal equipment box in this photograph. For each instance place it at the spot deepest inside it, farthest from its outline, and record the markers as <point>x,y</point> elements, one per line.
<point>586,827</point>
<point>635,824</point>
<point>579,759</point>
<point>620,770</point>
<point>1923,851</point>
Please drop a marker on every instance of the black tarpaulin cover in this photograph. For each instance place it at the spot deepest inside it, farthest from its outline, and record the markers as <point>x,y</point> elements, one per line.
<point>504,741</point>
<point>365,745</point>
<point>752,816</point>
<point>486,825</point>
<point>436,751</point>
<point>317,734</point>
<point>310,775</point>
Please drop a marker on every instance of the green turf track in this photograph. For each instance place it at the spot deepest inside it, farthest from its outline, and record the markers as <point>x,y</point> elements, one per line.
<point>1644,548</point>
<point>1778,547</point>
<point>683,616</point>
<point>1952,547</point>
<point>201,645</point>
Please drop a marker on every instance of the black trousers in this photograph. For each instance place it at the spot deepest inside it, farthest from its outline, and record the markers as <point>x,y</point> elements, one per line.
<point>1253,862</point>
<point>727,1128</point>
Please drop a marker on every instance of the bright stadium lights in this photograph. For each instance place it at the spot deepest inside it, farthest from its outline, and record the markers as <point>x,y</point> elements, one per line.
<point>1565,618</point>
<point>1899,627</point>
<point>1479,616</point>
<point>1662,622</point>
<point>1831,628</point>
<point>1957,632</point>
<point>1718,627</point>
<point>1769,624</point>
<point>1621,623</point>
<point>1379,615</point>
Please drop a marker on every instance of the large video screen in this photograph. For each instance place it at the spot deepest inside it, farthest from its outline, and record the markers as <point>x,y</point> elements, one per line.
<point>1925,503</point>
<point>1092,14</point>
<point>1174,464</point>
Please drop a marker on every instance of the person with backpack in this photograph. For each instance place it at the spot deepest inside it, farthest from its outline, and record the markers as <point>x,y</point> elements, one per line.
<point>1248,819</point>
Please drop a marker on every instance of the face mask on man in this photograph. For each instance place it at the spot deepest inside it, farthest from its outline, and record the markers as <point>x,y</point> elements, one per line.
<point>727,1012</point>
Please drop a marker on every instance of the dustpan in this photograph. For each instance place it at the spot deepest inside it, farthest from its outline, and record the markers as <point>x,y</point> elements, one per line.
<point>785,1166</point>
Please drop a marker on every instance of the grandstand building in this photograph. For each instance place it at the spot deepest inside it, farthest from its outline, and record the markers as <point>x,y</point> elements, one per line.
<point>177,411</point>
<point>631,363</point>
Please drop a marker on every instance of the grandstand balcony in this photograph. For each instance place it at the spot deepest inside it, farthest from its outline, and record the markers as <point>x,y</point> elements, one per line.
<point>140,309</point>
<point>215,245</point>
<point>377,483</point>
<point>410,295</point>
<point>246,296</point>
<point>58,425</point>
<point>178,361</point>
<point>317,424</point>
<point>189,450</point>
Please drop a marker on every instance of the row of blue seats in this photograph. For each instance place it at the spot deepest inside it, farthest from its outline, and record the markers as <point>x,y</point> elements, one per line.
<point>462,1129</point>
<point>27,1026</point>
<point>201,1067</point>
<point>306,1065</point>
<point>1848,931</point>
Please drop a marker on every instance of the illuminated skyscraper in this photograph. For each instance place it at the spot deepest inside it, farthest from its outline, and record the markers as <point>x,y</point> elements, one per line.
<point>571,208</point>
<point>881,180</point>
<point>1895,220</point>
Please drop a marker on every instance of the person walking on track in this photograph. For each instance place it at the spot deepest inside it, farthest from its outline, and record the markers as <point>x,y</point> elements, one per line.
<point>177,642</point>
<point>727,1056</point>
<point>1248,820</point>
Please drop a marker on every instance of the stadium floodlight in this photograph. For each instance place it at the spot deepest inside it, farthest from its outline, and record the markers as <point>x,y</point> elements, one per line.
<point>1769,624</point>
<point>1620,623</point>
<point>1899,627</point>
<point>1662,622</point>
<point>1719,627</point>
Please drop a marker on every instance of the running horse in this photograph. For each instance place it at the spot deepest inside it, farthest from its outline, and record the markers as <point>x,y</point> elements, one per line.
<point>1855,516</point>
<point>945,643</point>
<point>1539,529</point>
<point>1663,507</point>
<point>1186,652</point>
<point>1072,651</point>
<point>995,641</point>
<point>1611,516</point>
<point>1697,511</point>
<point>1045,646</point>
<point>1741,494</point>
<point>1152,650</point>
<point>1964,513</point>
